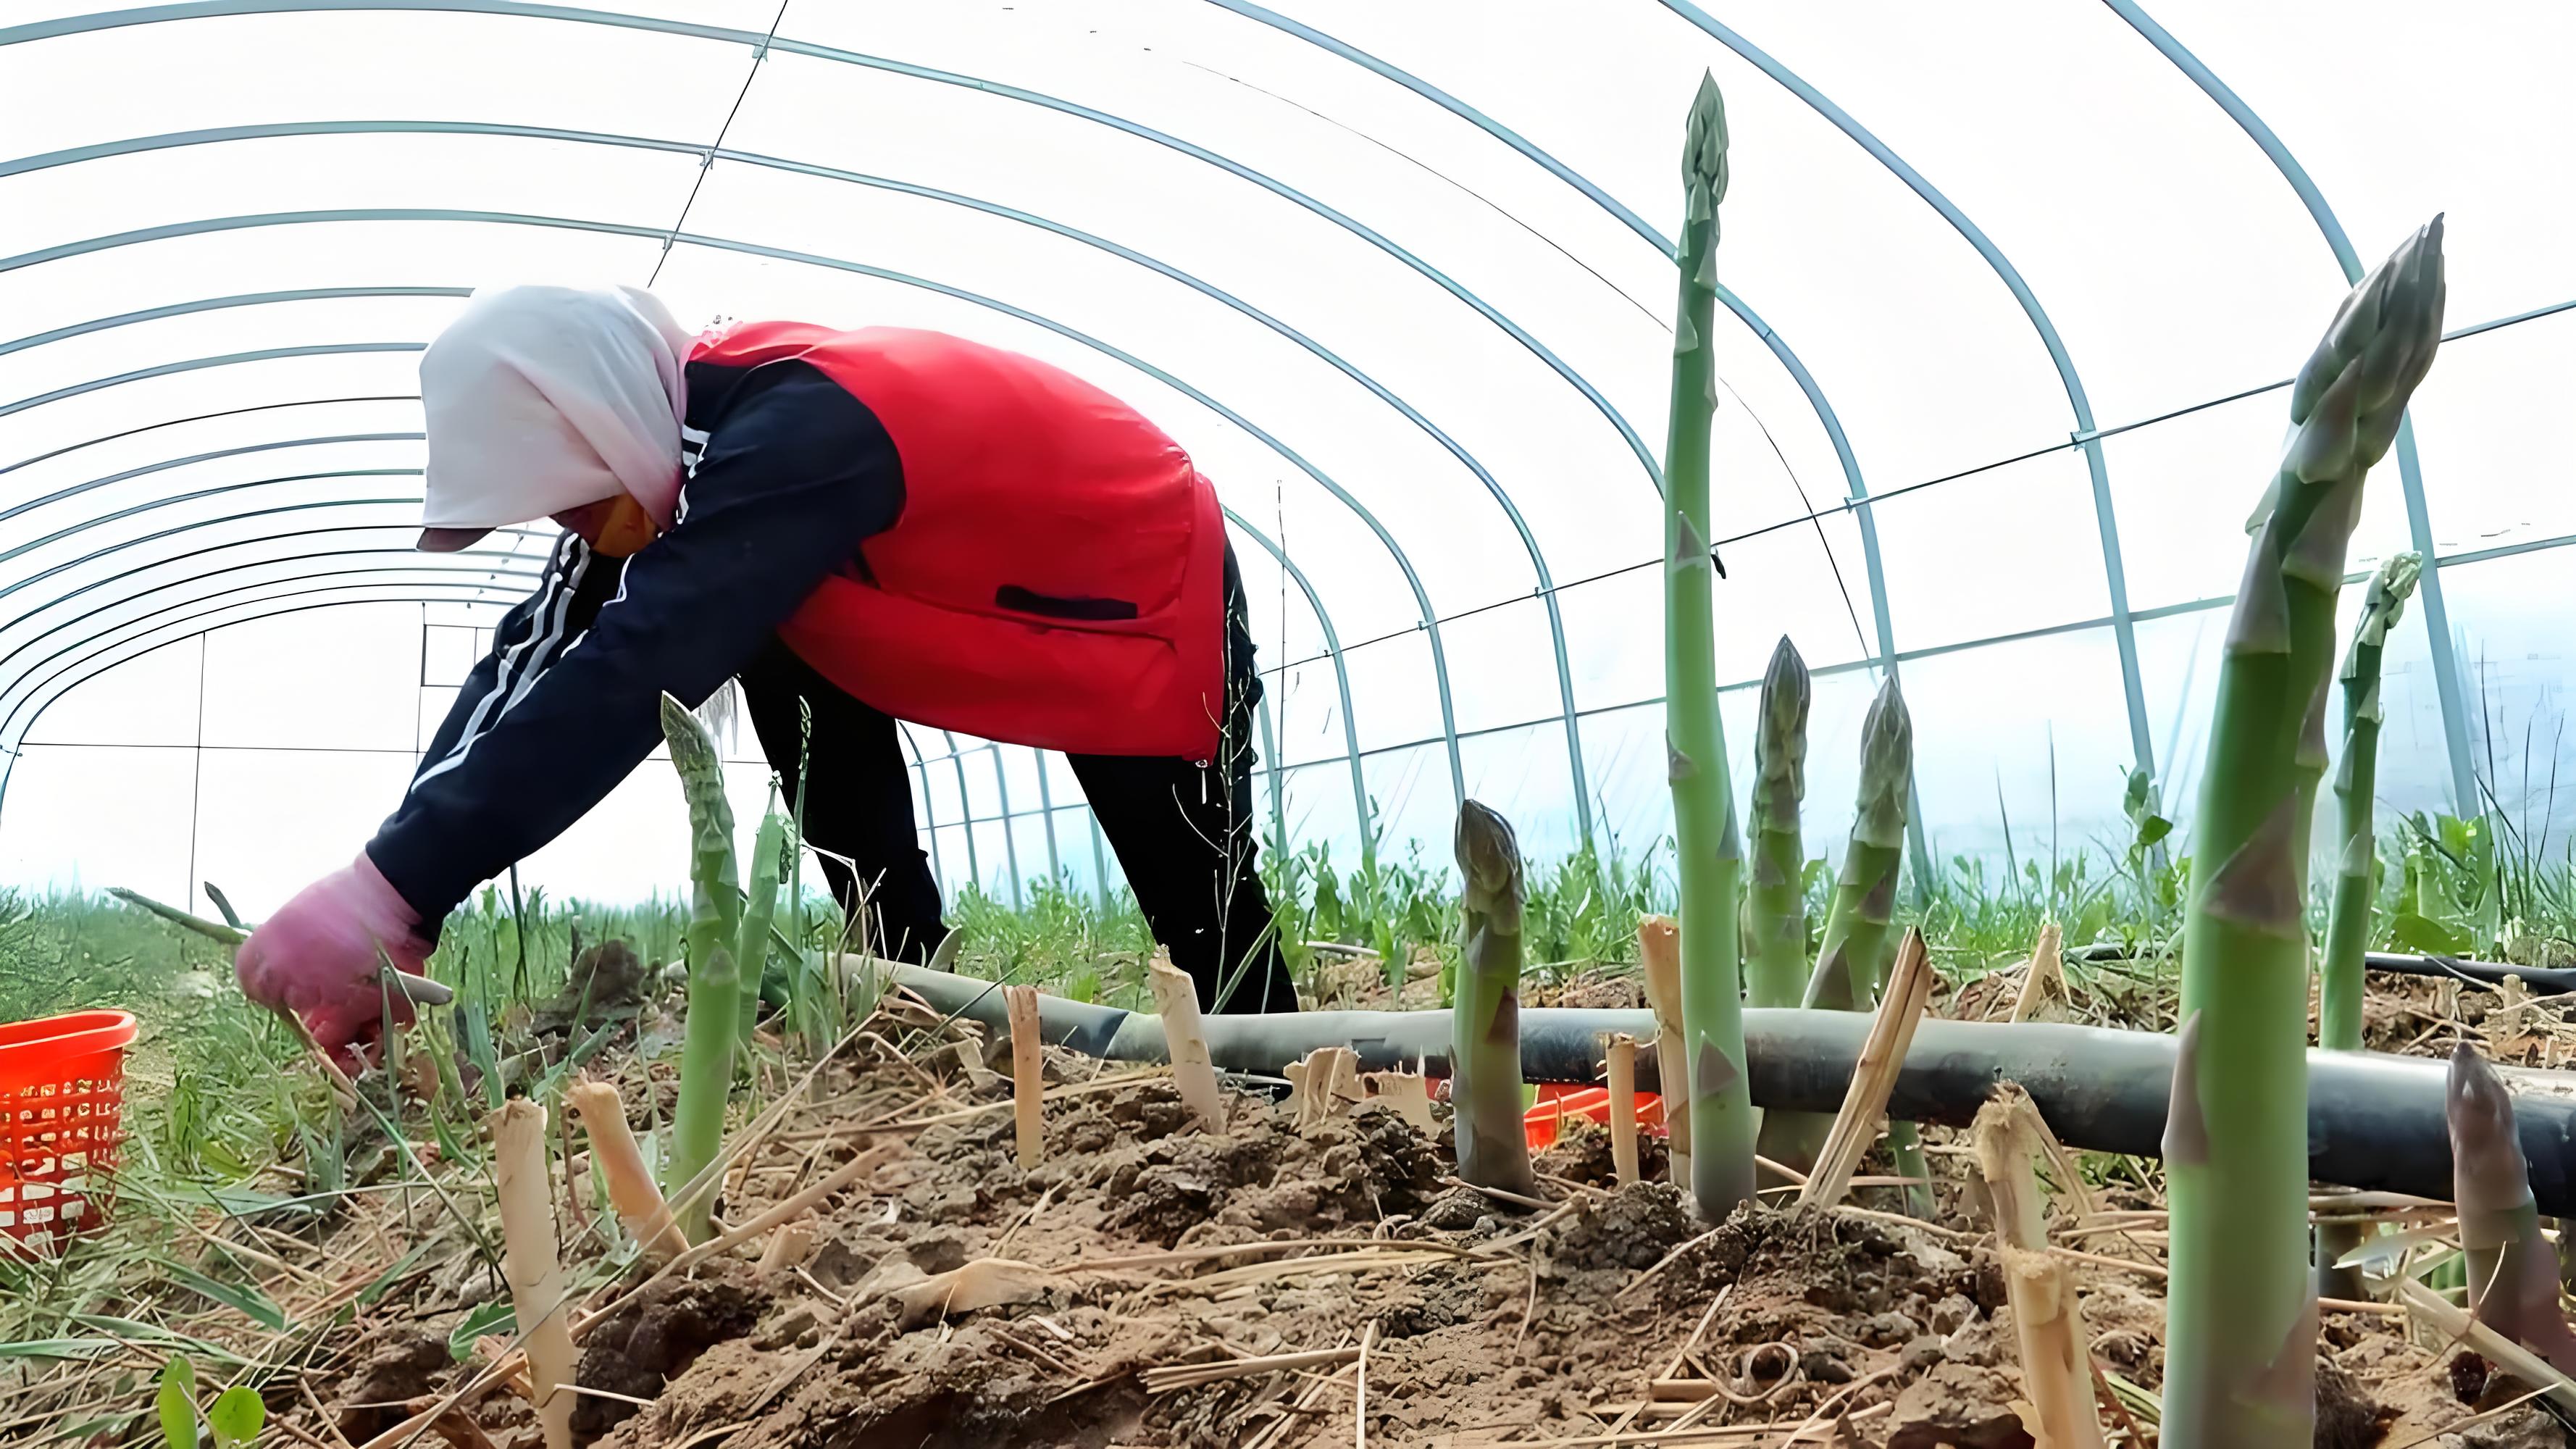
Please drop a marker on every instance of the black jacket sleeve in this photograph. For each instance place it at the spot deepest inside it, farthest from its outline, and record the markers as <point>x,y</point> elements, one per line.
<point>794,477</point>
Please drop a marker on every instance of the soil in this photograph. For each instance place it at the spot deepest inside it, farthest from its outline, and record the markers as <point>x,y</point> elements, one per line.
<point>1480,1320</point>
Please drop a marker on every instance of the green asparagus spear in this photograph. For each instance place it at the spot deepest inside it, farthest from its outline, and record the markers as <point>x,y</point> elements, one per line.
<point>2240,1307</point>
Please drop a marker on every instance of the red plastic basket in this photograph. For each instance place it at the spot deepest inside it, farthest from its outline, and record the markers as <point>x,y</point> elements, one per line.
<point>1557,1102</point>
<point>62,1097</point>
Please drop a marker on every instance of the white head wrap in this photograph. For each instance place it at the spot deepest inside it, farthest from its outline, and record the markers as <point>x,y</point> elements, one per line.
<point>542,399</point>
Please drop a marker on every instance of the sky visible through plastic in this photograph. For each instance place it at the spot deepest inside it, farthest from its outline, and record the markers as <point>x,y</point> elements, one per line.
<point>1394,274</point>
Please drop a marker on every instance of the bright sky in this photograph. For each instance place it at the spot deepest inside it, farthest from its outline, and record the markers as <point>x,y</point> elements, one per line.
<point>1341,297</point>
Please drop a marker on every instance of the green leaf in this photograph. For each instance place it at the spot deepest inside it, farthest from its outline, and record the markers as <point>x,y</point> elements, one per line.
<point>493,1317</point>
<point>2090,924</point>
<point>249,1302</point>
<point>2153,829</point>
<point>402,1267</point>
<point>2428,935</point>
<point>177,1403</point>
<point>60,1348</point>
<point>236,1417</point>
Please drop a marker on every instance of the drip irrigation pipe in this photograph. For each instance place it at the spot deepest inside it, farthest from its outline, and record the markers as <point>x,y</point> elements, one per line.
<point>2374,1120</point>
<point>2538,980</point>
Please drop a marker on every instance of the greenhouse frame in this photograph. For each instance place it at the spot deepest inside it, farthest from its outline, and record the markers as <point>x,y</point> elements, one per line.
<point>2013,298</point>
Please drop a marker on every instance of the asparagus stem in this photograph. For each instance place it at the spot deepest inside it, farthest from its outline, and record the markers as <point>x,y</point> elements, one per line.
<point>2240,1337</point>
<point>2356,778</point>
<point>715,986</point>
<point>2356,868</point>
<point>759,912</point>
<point>1710,855</point>
<point>1854,955</point>
<point>1485,1051</point>
<point>2513,1280</point>
<point>1775,932</point>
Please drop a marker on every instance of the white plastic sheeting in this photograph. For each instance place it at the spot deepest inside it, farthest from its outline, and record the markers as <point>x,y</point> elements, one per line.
<point>2030,273</point>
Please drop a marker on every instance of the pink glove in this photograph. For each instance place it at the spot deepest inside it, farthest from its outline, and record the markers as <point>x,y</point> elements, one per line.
<point>317,957</point>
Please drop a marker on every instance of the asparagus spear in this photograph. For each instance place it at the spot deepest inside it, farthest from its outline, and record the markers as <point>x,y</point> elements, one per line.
<point>1855,954</point>
<point>759,912</point>
<point>1709,853</point>
<point>2348,924</point>
<point>2241,1315</point>
<point>1485,1022</point>
<point>2513,1280</point>
<point>1775,932</point>
<point>1853,961</point>
<point>715,985</point>
<point>2356,777</point>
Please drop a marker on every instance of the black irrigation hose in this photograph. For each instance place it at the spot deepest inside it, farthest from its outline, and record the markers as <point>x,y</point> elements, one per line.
<point>2374,1120</point>
<point>2539,980</point>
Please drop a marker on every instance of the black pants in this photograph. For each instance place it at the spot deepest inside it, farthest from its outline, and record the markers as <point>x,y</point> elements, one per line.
<point>1186,832</point>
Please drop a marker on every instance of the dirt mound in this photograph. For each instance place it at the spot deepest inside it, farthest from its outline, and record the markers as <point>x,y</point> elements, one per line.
<point>657,1334</point>
<point>394,1366</point>
<point>1183,1288</point>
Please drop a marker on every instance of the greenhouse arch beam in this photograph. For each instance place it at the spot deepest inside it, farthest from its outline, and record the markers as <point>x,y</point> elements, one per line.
<point>415,566</point>
<point>51,454</point>
<point>1545,583</point>
<point>20,689</point>
<point>758,41</point>
<point>216,304</point>
<point>196,364</point>
<point>56,680</point>
<point>16,584</point>
<point>98,663</point>
<point>1430,619</point>
<point>965,811</point>
<point>86,524</point>
<point>2447,684</point>
<point>1341,679</point>
<point>1855,487</point>
<point>2115,575</point>
<point>10,682</point>
<point>166,464</point>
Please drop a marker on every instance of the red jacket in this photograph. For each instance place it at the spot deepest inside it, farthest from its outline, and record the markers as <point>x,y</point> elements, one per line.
<point>1055,576</point>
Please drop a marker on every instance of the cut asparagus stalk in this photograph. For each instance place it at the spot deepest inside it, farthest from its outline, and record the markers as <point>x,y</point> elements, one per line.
<point>2046,976</point>
<point>1176,1000</point>
<point>1325,1083</point>
<point>2241,1314</point>
<point>788,1248</point>
<point>1873,1077</point>
<point>631,1191</point>
<point>1405,1094</point>
<point>1622,1064</point>
<point>1028,1074</point>
<point>528,1257</point>
<point>2056,1362</point>
<point>1659,948</point>
<point>1709,856</point>
<point>1485,1056</point>
<point>2513,1277</point>
<point>1775,905</point>
<point>706,1052</point>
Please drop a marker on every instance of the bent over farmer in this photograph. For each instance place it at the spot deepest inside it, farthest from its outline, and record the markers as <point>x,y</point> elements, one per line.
<point>860,527</point>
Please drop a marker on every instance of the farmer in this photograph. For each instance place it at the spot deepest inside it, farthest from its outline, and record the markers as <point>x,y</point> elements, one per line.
<point>860,527</point>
